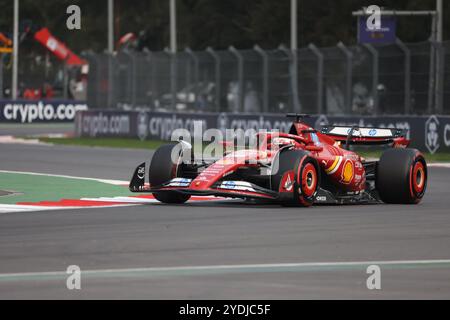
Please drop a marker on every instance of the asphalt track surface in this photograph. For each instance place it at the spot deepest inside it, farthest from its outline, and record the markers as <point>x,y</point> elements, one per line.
<point>35,129</point>
<point>178,239</point>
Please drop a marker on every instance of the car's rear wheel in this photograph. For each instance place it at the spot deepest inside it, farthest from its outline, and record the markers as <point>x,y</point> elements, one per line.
<point>163,169</point>
<point>296,177</point>
<point>401,176</point>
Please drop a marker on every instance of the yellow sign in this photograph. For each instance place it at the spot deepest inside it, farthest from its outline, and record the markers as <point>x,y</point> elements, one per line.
<point>5,50</point>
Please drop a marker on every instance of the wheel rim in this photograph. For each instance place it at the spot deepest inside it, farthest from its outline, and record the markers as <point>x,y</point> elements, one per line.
<point>418,177</point>
<point>309,180</point>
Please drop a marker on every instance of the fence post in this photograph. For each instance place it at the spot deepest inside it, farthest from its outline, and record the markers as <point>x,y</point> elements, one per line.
<point>110,80</point>
<point>217,74</point>
<point>445,71</point>
<point>196,72</point>
<point>173,77</point>
<point>348,76</point>
<point>240,75</point>
<point>188,76</point>
<point>293,68</point>
<point>1,75</point>
<point>440,65</point>
<point>196,63</point>
<point>320,59</point>
<point>374,54</point>
<point>91,86</point>
<point>149,61</point>
<point>134,87</point>
<point>265,73</point>
<point>132,75</point>
<point>431,79</point>
<point>407,54</point>
<point>65,80</point>
<point>294,64</point>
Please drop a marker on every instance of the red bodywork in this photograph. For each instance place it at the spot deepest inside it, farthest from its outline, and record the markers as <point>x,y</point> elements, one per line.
<point>344,167</point>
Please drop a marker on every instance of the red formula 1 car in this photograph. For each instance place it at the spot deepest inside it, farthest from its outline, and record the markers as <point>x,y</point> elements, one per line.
<point>299,168</point>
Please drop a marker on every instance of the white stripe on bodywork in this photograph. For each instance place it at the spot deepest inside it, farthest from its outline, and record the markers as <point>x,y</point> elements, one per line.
<point>337,165</point>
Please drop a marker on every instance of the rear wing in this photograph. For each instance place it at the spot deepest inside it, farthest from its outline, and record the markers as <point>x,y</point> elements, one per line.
<point>367,136</point>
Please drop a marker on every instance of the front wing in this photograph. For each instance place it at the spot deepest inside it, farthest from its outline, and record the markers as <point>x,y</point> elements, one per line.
<point>229,189</point>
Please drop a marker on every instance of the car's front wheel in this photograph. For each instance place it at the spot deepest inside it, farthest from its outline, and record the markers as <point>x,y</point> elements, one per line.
<point>295,176</point>
<point>163,169</point>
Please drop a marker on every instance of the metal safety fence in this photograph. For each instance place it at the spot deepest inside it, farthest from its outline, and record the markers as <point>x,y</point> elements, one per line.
<point>40,76</point>
<point>398,78</point>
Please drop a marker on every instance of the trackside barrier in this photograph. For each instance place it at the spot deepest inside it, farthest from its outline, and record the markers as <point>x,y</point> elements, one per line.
<point>427,133</point>
<point>31,111</point>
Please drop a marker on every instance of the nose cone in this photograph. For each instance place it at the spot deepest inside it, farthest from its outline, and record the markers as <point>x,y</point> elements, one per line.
<point>210,175</point>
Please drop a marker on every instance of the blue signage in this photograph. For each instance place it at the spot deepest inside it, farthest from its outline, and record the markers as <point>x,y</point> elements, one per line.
<point>386,33</point>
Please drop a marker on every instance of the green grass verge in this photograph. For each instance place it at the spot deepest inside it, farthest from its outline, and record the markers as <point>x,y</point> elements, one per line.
<point>151,144</point>
<point>40,187</point>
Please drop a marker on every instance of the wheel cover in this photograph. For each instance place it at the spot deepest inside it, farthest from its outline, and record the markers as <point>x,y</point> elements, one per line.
<point>418,177</point>
<point>309,180</point>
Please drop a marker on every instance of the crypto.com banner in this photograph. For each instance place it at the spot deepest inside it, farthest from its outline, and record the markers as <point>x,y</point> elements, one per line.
<point>31,111</point>
<point>427,133</point>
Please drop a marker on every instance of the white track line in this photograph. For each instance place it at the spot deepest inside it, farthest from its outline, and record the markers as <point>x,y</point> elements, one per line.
<point>237,267</point>
<point>149,200</point>
<point>121,199</point>
<point>439,165</point>
<point>14,140</point>
<point>8,208</point>
<point>12,208</point>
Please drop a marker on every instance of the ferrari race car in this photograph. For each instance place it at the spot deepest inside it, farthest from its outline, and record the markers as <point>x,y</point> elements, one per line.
<point>299,168</point>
